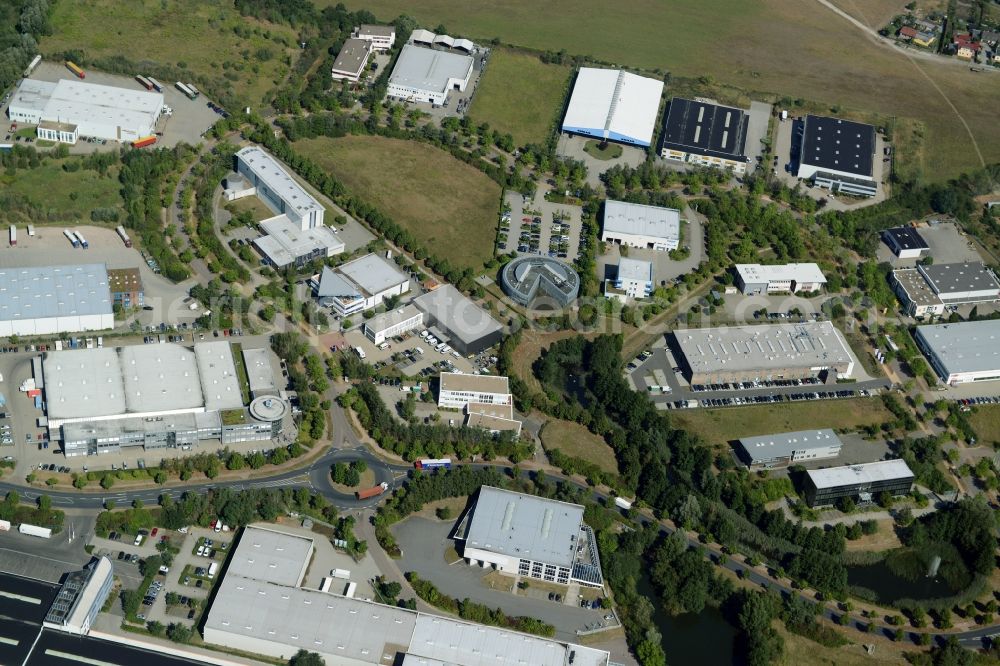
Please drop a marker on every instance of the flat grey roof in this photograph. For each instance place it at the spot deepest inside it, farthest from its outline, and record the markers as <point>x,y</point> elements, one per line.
<point>635,269</point>
<point>884,470</point>
<point>160,378</point>
<point>735,348</point>
<point>761,273</point>
<point>270,556</point>
<point>115,428</point>
<point>519,525</point>
<point>915,286</point>
<point>377,30</point>
<point>272,172</point>
<point>218,375</point>
<point>373,273</point>
<point>285,241</point>
<point>260,372</point>
<point>387,319</point>
<point>427,69</point>
<point>970,346</point>
<point>457,381</point>
<point>463,318</point>
<point>947,279</point>
<point>41,292</point>
<point>642,220</point>
<point>783,445</point>
<point>72,101</point>
<point>353,56</point>
<point>83,382</point>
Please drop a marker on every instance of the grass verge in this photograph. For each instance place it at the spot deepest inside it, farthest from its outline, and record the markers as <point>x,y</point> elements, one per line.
<point>575,440</point>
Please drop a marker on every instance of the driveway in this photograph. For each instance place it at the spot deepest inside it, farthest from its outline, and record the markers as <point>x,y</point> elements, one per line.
<point>423,543</point>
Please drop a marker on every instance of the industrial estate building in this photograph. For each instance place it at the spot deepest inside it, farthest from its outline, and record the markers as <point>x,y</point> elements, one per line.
<point>613,105</point>
<point>768,352</point>
<point>55,299</point>
<point>905,242</point>
<point>382,37</point>
<point>526,279</point>
<point>285,243</point>
<point>634,279</point>
<point>761,279</point>
<point>271,182</point>
<point>352,59</point>
<point>428,75</point>
<point>785,448</point>
<point>260,608</point>
<point>70,109</point>
<point>361,284</point>
<point>495,418</point>
<point>390,324</point>
<point>125,285</point>
<point>858,482</point>
<point>705,134</point>
<point>531,537</point>
<point>428,38</point>
<point>453,318</point>
<point>458,389</point>
<point>81,598</point>
<point>638,225</point>
<point>928,290</point>
<point>838,155</point>
<point>963,352</point>
<point>163,396</point>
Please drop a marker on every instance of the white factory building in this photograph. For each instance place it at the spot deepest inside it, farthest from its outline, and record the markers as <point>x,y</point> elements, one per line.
<point>766,451</point>
<point>780,278</point>
<point>284,243</point>
<point>964,352</point>
<point>613,105</point>
<point>162,396</point>
<point>458,390</point>
<point>382,37</point>
<point>530,536</point>
<point>428,75</point>
<point>70,109</point>
<point>261,607</point>
<point>390,324</point>
<point>634,280</point>
<point>271,182</point>
<point>47,300</point>
<point>352,59</point>
<point>641,226</point>
<point>359,285</point>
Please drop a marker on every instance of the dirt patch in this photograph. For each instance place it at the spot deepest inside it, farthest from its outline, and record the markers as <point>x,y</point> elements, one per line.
<point>884,539</point>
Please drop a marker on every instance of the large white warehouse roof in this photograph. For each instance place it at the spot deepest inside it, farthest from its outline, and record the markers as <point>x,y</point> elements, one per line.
<point>613,104</point>
<point>78,102</point>
<point>429,70</point>
<point>622,217</point>
<point>54,291</point>
<point>271,172</point>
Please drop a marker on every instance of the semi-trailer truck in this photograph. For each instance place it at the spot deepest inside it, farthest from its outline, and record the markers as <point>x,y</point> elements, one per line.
<point>372,492</point>
<point>35,530</point>
<point>144,141</point>
<point>13,235</point>
<point>213,568</point>
<point>32,65</point>
<point>83,241</point>
<point>190,94</point>
<point>157,86</point>
<point>144,82</point>
<point>71,237</point>
<point>73,67</point>
<point>31,231</point>
<point>123,235</point>
<point>433,463</point>
<point>623,503</point>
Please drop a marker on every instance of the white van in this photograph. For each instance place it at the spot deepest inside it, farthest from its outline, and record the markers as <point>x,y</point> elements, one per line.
<point>360,352</point>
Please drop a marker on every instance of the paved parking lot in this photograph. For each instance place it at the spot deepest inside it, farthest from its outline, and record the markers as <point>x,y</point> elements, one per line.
<point>189,120</point>
<point>537,226</point>
<point>946,242</point>
<point>424,543</point>
<point>403,354</point>
<point>573,148</point>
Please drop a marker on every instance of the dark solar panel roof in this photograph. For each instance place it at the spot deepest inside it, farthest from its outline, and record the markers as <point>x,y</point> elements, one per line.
<point>838,145</point>
<point>906,238</point>
<point>706,129</point>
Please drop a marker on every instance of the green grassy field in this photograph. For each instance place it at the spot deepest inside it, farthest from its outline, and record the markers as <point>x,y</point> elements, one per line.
<point>196,33</point>
<point>791,48</point>
<point>520,95</point>
<point>986,422</point>
<point>64,195</point>
<point>575,440</point>
<point>447,205</point>
<point>718,426</point>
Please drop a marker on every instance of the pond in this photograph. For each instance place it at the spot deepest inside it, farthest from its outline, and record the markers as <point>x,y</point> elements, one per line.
<point>903,575</point>
<point>692,638</point>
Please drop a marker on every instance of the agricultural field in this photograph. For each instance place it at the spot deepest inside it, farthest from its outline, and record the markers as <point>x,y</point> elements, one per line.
<point>447,205</point>
<point>774,48</point>
<point>873,13</point>
<point>718,426</point>
<point>575,440</point>
<point>529,114</point>
<point>53,194</point>
<point>194,35</point>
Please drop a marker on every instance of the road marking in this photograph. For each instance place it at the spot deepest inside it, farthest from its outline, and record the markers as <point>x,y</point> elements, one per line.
<point>21,597</point>
<point>76,657</point>
<point>9,641</point>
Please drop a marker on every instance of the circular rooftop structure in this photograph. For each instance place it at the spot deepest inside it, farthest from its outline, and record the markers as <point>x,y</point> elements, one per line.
<point>269,408</point>
<point>526,279</point>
